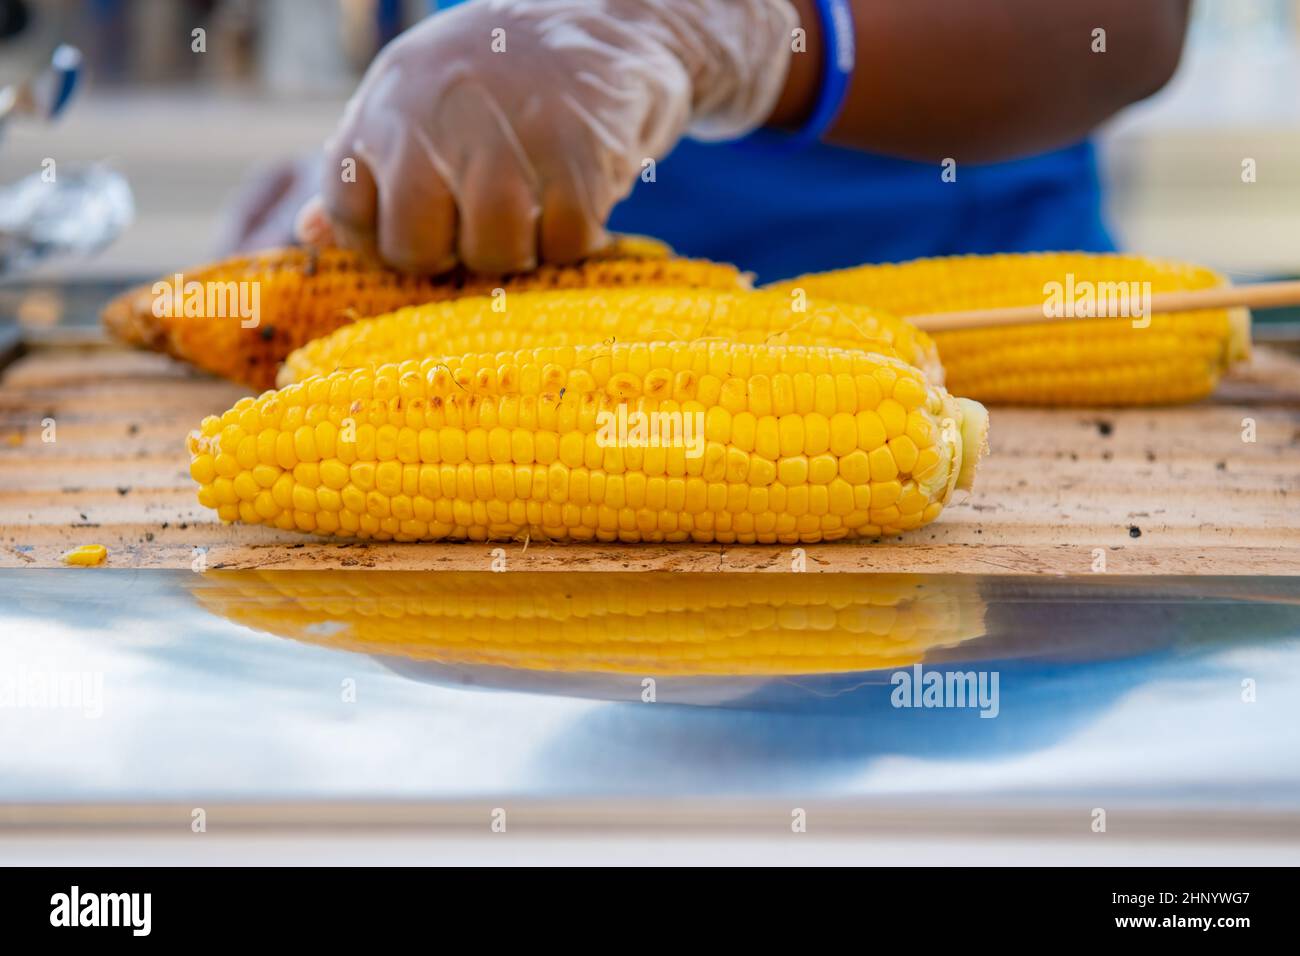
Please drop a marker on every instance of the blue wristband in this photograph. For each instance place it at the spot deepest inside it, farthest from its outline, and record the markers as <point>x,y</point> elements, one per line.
<point>836,18</point>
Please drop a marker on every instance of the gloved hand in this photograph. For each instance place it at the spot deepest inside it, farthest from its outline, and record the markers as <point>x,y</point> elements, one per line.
<point>500,133</point>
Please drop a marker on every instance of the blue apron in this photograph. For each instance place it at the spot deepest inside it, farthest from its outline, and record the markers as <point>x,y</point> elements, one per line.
<point>827,207</point>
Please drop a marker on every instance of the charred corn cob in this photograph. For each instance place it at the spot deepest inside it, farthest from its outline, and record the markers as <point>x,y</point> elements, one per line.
<point>658,624</point>
<point>1177,357</point>
<point>240,317</point>
<point>533,319</point>
<point>746,443</point>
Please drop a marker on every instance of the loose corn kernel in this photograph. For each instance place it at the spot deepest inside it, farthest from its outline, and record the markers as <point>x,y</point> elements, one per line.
<point>86,555</point>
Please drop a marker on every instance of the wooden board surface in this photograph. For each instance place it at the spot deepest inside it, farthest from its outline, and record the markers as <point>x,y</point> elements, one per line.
<point>1158,491</point>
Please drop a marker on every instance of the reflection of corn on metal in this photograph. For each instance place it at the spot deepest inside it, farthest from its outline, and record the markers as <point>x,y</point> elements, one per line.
<point>767,444</point>
<point>529,320</point>
<point>653,624</point>
<point>302,295</point>
<point>1177,357</point>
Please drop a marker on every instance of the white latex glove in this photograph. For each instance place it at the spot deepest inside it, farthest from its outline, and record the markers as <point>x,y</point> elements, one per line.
<point>500,133</point>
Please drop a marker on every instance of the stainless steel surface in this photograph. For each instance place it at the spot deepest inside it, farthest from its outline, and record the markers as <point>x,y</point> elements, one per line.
<point>1114,693</point>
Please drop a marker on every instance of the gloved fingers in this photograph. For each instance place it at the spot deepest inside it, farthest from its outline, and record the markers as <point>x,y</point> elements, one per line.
<point>349,195</point>
<point>417,212</point>
<point>498,215</point>
<point>570,228</point>
<point>474,146</point>
<point>313,227</point>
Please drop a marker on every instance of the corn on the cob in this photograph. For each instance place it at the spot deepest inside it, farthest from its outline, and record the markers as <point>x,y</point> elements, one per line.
<point>303,294</point>
<point>1177,357</point>
<point>764,444</point>
<point>534,319</point>
<point>658,624</point>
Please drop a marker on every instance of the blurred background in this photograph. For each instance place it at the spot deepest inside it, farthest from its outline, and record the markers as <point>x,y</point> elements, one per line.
<point>188,128</point>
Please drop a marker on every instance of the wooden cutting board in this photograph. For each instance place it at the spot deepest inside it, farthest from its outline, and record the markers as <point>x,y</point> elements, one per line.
<point>1156,491</point>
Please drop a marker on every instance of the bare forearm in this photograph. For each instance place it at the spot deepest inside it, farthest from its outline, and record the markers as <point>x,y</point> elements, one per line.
<point>984,80</point>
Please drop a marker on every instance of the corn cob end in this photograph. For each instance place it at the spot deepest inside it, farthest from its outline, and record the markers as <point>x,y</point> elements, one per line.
<point>1238,335</point>
<point>974,441</point>
<point>126,318</point>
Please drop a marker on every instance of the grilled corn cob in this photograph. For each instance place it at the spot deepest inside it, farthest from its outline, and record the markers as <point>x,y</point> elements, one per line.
<point>301,295</point>
<point>1178,357</point>
<point>533,319</point>
<point>660,624</point>
<point>755,444</point>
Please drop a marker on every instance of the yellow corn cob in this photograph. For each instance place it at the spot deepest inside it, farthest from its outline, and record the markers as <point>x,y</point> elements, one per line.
<point>657,624</point>
<point>772,443</point>
<point>1178,357</point>
<point>302,295</point>
<point>534,319</point>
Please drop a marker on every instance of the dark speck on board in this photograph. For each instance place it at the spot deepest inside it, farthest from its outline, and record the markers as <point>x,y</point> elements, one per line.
<point>1134,531</point>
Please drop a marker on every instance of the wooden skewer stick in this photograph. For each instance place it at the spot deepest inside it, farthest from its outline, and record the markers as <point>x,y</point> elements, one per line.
<point>1262,295</point>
